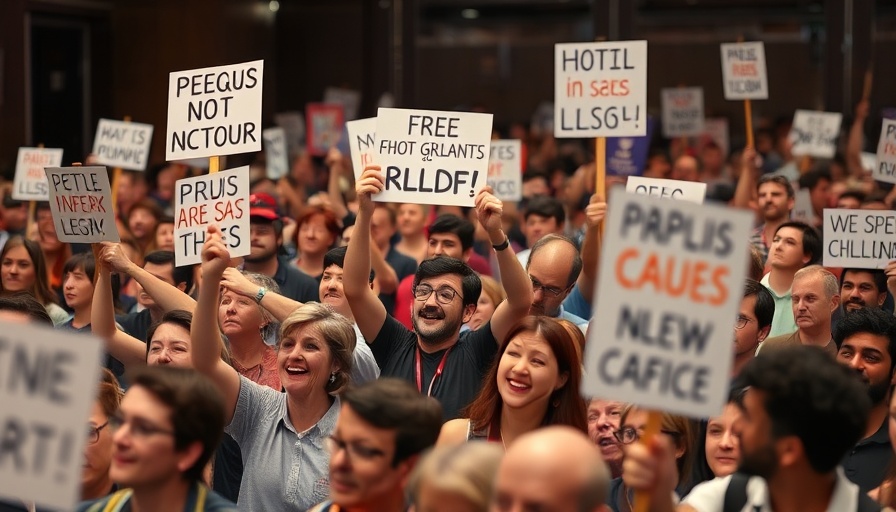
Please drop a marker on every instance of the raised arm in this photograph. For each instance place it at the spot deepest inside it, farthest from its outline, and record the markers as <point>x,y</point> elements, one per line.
<point>367,309</point>
<point>205,336</point>
<point>513,277</point>
<point>594,216</point>
<point>336,164</point>
<point>127,349</point>
<point>166,296</point>
<point>745,193</point>
<point>384,274</point>
<point>277,305</point>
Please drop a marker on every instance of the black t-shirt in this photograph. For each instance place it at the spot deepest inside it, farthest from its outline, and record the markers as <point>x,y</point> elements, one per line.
<point>403,266</point>
<point>135,324</point>
<point>294,283</point>
<point>113,365</point>
<point>395,348</point>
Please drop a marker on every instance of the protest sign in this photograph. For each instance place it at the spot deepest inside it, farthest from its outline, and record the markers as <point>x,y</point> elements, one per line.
<point>859,238</point>
<point>214,111</point>
<point>432,157</point>
<point>222,199</point>
<point>350,100</point>
<point>885,170</point>
<point>81,204</point>
<point>293,123</point>
<point>30,182</point>
<point>682,111</point>
<point>670,283</point>
<point>49,382</point>
<point>276,158</point>
<point>671,189</point>
<point>743,71</point>
<point>325,121</point>
<point>600,89</point>
<point>362,143</point>
<point>122,144</point>
<point>505,169</point>
<point>627,156</point>
<point>802,207</point>
<point>815,133</point>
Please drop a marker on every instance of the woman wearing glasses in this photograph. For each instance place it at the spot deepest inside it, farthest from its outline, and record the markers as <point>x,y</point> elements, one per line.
<point>534,383</point>
<point>282,436</point>
<point>634,421</point>
<point>95,480</point>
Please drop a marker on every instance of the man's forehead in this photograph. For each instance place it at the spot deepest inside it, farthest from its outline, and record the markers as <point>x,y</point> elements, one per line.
<point>858,276</point>
<point>444,237</point>
<point>334,269</point>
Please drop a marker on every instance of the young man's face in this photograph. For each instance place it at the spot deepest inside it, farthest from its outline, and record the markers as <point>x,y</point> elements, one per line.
<point>445,244</point>
<point>773,202</point>
<point>747,338</point>
<point>754,429</point>
<point>787,249</point>
<point>264,242</point>
<point>435,317</point>
<point>77,288</point>
<point>859,291</point>
<point>330,289</point>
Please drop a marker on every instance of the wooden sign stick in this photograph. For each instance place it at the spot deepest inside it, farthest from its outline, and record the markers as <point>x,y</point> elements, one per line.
<point>213,164</point>
<point>600,170</point>
<point>748,118</point>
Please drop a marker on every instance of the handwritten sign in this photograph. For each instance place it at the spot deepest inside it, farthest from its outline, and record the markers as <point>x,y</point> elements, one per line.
<point>293,123</point>
<point>30,183</point>
<point>669,189</point>
<point>802,207</point>
<point>121,144</point>
<point>600,89</point>
<point>505,169</point>
<point>48,386</point>
<point>627,156</point>
<point>670,282</point>
<point>682,111</point>
<point>276,157</point>
<point>81,204</point>
<point>432,157</point>
<point>885,170</point>
<point>859,238</point>
<point>325,122</point>
<point>221,199</point>
<point>362,143</point>
<point>743,71</point>
<point>214,111</point>
<point>350,100</point>
<point>815,133</point>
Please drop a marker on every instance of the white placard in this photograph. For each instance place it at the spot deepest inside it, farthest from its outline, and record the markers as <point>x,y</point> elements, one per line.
<point>505,169</point>
<point>691,191</point>
<point>350,100</point>
<point>802,207</point>
<point>682,111</point>
<point>885,170</point>
<point>743,71</point>
<point>276,158</point>
<point>214,111</point>
<point>30,183</point>
<point>815,133</point>
<point>222,199</point>
<point>431,156</point>
<point>48,387</point>
<point>362,142</point>
<point>293,122</point>
<point>122,144</point>
<point>670,283</point>
<point>859,238</point>
<point>600,89</point>
<point>81,204</point>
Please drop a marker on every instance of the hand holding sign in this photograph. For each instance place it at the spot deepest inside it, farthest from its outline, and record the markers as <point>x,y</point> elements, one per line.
<point>489,210</point>
<point>215,256</point>
<point>371,183</point>
<point>595,211</point>
<point>111,254</point>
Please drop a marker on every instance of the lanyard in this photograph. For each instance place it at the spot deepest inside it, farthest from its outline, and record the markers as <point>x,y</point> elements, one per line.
<point>419,371</point>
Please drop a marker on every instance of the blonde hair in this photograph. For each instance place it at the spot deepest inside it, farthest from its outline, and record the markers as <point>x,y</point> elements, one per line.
<point>467,470</point>
<point>334,329</point>
<point>493,289</point>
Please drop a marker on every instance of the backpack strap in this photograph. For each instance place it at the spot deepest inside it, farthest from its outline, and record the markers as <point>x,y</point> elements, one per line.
<point>736,493</point>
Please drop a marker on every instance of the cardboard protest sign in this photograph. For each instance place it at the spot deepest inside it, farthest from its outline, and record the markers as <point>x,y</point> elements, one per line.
<point>670,283</point>
<point>49,382</point>
<point>81,204</point>
<point>121,144</point>
<point>671,189</point>
<point>325,121</point>
<point>293,123</point>
<point>815,133</point>
<point>432,157</point>
<point>600,89</point>
<point>682,111</point>
<point>30,183</point>
<point>214,111</point>
<point>885,170</point>
<point>627,156</point>
<point>362,143</point>
<point>221,198</point>
<point>743,71</point>
<point>505,169</point>
<point>859,238</point>
<point>350,100</point>
<point>276,158</point>
<point>802,207</point>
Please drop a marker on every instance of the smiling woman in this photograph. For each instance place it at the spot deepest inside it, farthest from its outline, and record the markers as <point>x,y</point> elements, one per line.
<point>23,269</point>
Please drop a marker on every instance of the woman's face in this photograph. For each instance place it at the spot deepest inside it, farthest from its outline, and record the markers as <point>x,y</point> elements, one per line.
<point>97,455</point>
<point>305,361</point>
<point>314,238</point>
<point>485,308</point>
<point>165,236</point>
<point>239,315</point>
<point>17,270</point>
<point>170,345</point>
<point>528,372</point>
<point>722,446</point>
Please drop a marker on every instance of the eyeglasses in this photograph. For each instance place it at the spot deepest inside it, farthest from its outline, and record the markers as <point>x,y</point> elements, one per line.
<point>354,450</point>
<point>138,428</point>
<point>629,435</point>
<point>553,291</point>
<point>93,433</point>
<point>444,294</point>
<point>741,322</point>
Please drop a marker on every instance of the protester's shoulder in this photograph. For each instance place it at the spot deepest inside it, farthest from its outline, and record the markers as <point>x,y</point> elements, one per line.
<point>214,502</point>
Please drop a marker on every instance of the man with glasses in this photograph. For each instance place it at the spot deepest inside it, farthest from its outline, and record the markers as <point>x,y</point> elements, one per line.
<point>554,265</point>
<point>382,429</point>
<point>435,357</point>
<point>754,319</point>
<point>775,201</point>
<point>167,427</point>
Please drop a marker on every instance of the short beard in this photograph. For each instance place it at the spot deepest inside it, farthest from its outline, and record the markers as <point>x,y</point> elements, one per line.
<point>764,463</point>
<point>262,258</point>
<point>878,392</point>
